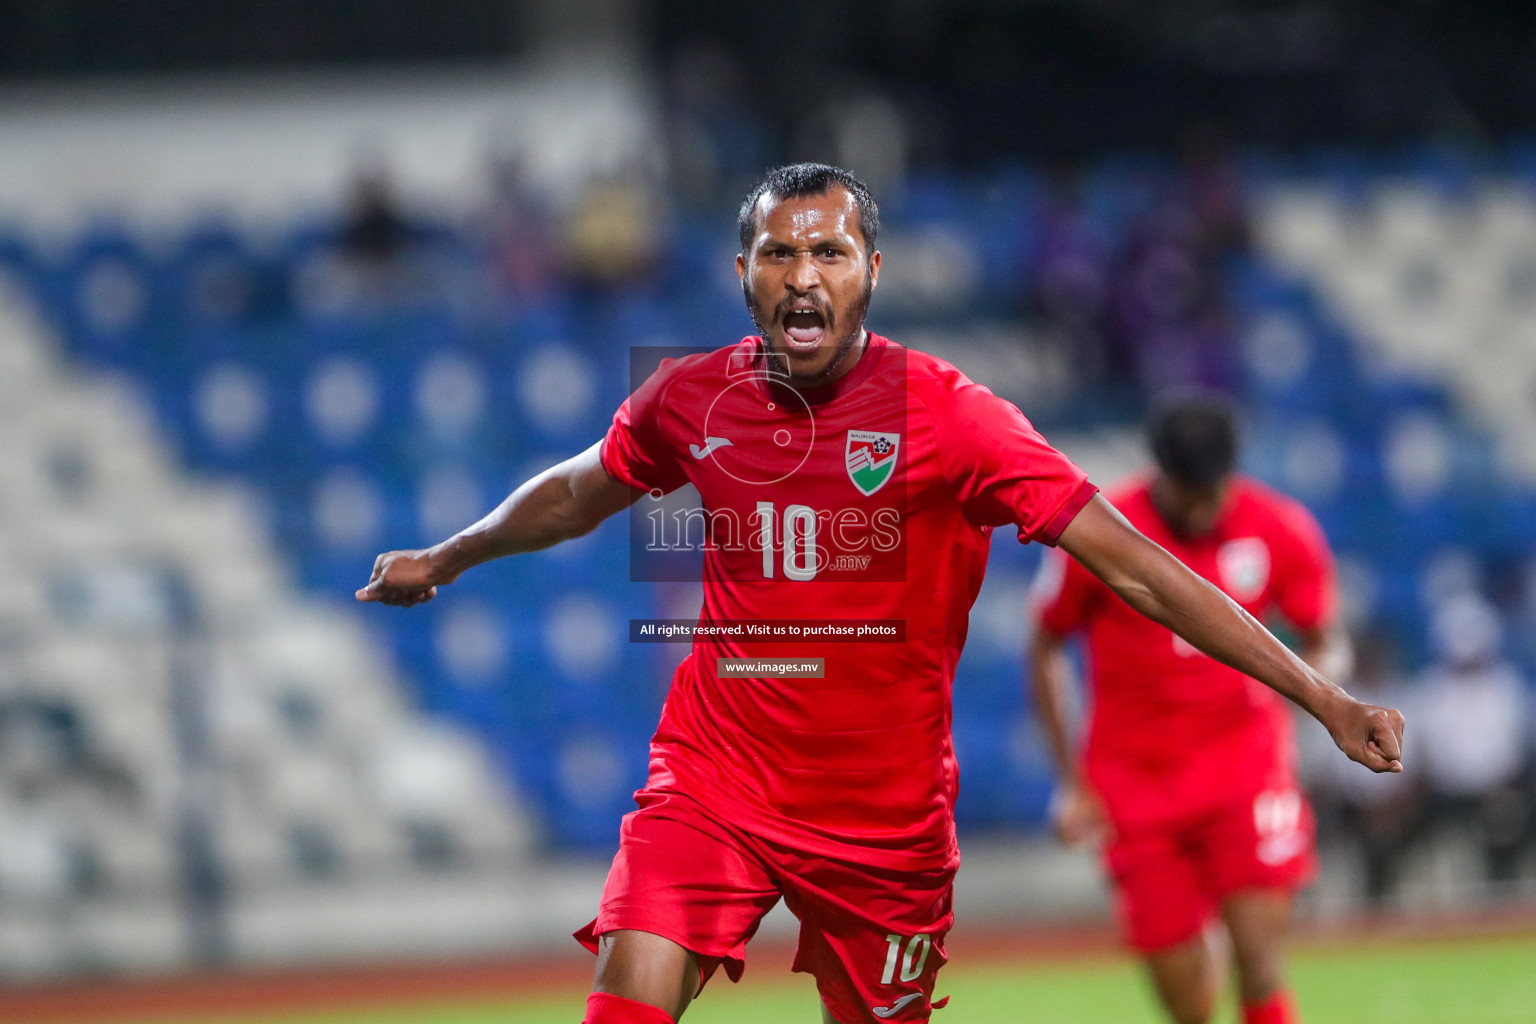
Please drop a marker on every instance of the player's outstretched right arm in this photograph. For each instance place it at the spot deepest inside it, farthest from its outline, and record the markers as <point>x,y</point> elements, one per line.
<point>1163,589</point>
<point>565,501</point>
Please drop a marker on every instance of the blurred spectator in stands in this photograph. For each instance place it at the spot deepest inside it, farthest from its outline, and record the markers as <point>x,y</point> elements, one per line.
<point>1147,314</point>
<point>1169,323</point>
<point>521,231</point>
<point>1071,281</point>
<point>370,259</point>
<point>1379,815</point>
<point>717,143</point>
<point>615,233</point>
<point>860,126</point>
<point>1473,732</point>
<point>1213,185</point>
<point>375,235</point>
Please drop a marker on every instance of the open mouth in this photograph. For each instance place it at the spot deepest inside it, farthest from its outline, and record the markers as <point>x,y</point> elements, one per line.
<point>804,329</point>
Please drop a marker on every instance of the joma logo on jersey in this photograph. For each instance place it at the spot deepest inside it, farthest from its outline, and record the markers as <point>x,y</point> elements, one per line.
<point>871,459</point>
<point>850,563</point>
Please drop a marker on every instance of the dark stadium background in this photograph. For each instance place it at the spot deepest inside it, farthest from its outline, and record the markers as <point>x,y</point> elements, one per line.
<point>1040,78</point>
<point>1341,197</point>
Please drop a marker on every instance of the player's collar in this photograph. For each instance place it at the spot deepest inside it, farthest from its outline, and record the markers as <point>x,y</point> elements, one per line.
<point>869,356</point>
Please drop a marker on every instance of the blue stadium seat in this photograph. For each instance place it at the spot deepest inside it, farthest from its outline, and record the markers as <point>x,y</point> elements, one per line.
<point>18,260</point>
<point>996,789</point>
<point>929,195</point>
<point>105,294</point>
<point>1005,223</point>
<point>597,774</point>
<point>1347,172</point>
<point>1520,160</point>
<point>343,515</point>
<point>1450,171</point>
<point>227,415</point>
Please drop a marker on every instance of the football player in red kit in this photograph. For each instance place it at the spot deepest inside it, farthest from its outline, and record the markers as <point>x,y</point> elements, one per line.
<point>842,477</point>
<point>1187,776</point>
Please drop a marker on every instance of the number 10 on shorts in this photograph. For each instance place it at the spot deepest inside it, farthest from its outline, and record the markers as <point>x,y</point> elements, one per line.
<point>911,963</point>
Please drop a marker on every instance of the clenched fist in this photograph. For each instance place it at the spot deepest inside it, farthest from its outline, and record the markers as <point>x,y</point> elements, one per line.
<point>1366,733</point>
<point>403,579</point>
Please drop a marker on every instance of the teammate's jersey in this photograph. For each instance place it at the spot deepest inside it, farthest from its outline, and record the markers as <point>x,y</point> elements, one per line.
<point>1172,731</point>
<point>879,492</point>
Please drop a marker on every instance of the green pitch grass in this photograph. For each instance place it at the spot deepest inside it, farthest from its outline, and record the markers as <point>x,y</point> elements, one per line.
<point>1474,981</point>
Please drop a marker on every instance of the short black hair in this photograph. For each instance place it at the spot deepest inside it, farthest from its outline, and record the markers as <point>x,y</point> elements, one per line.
<point>1194,436</point>
<point>795,181</point>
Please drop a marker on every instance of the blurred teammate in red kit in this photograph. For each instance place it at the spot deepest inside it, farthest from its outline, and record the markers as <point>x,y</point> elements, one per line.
<point>1187,775</point>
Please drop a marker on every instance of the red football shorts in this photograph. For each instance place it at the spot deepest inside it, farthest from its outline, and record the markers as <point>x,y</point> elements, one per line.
<point>873,938</point>
<point>1170,879</point>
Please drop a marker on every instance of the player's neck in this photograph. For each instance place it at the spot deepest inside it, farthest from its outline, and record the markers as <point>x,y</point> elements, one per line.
<point>1188,517</point>
<point>842,364</point>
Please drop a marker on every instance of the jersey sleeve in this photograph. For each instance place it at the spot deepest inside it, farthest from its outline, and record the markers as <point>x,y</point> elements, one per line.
<point>635,450</point>
<point>1002,470</point>
<point>1062,596</point>
<point>1305,588</point>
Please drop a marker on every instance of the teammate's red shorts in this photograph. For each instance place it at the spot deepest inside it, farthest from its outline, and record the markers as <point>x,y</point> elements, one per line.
<point>873,938</point>
<point>1170,879</point>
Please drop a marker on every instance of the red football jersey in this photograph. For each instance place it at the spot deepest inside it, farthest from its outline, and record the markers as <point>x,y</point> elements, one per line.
<point>1172,731</point>
<point>874,497</point>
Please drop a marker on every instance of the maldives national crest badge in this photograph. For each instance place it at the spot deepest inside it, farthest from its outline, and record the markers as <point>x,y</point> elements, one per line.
<point>1244,567</point>
<point>871,459</point>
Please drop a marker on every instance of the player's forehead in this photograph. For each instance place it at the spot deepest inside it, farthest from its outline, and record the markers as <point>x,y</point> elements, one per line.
<point>801,220</point>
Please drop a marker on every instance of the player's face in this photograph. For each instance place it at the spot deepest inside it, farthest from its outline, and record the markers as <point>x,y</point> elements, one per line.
<point>808,281</point>
<point>1190,512</point>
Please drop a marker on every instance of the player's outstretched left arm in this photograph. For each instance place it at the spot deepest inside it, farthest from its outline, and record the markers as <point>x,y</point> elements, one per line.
<point>565,501</point>
<point>1162,588</point>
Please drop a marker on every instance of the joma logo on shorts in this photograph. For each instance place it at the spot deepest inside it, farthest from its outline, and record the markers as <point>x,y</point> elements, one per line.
<point>895,1008</point>
<point>850,563</point>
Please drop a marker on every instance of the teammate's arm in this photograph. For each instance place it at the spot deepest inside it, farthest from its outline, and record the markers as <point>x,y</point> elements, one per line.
<point>1160,587</point>
<point>1327,649</point>
<point>1306,593</point>
<point>1075,808</point>
<point>1051,678</point>
<point>565,501</point>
